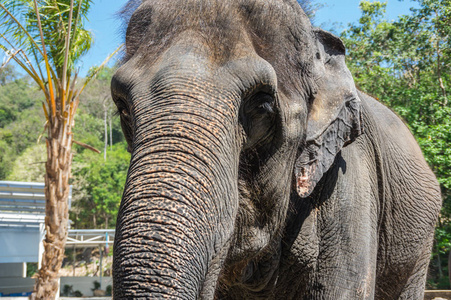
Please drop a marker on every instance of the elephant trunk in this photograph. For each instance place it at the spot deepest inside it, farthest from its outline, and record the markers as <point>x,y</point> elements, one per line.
<point>181,196</point>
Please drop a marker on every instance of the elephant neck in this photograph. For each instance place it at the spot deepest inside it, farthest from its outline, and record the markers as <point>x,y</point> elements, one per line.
<point>254,278</point>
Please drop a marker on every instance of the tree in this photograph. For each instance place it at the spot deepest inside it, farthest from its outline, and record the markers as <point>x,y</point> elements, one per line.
<point>99,103</point>
<point>46,38</point>
<point>16,95</point>
<point>7,74</point>
<point>98,187</point>
<point>20,120</point>
<point>403,63</point>
<point>29,166</point>
<point>18,136</point>
<point>97,183</point>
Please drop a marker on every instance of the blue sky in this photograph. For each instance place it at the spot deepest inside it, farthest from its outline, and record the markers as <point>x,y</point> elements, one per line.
<point>105,26</point>
<point>337,14</point>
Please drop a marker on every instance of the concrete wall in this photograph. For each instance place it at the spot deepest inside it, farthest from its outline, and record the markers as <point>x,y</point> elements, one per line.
<point>85,284</point>
<point>11,270</point>
<point>431,295</point>
<point>82,284</point>
<point>19,245</point>
<point>16,285</point>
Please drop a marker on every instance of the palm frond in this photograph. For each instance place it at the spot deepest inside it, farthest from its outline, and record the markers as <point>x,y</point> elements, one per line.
<point>66,56</point>
<point>92,74</point>
<point>23,34</point>
<point>51,99</point>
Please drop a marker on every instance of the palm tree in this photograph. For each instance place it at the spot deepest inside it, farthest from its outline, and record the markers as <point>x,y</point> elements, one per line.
<point>46,38</point>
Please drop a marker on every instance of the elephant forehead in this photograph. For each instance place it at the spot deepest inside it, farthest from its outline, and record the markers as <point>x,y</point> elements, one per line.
<point>276,30</point>
<point>223,24</point>
<point>222,14</point>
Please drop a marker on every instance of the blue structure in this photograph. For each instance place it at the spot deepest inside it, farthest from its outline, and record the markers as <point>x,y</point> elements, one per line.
<point>22,217</point>
<point>22,230</point>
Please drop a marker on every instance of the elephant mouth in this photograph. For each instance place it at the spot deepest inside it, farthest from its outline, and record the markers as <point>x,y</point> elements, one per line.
<point>304,183</point>
<point>319,153</point>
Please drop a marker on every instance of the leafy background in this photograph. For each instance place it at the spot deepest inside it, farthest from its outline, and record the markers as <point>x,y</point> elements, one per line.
<point>405,64</point>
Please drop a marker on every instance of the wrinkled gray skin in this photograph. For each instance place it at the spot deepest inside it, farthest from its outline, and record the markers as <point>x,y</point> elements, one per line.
<point>258,171</point>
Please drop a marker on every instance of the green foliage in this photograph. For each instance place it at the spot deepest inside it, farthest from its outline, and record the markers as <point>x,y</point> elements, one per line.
<point>97,96</point>
<point>7,157</point>
<point>406,64</point>
<point>30,165</point>
<point>16,95</point>
<point>21,121</point>
<point>91,119</point>
<point>98,182</point>
<point>98,185</point>
<point>32,268</point>
<point>54,17</point>
<point>26,130</point>
<point>7,74</point>
<point>109,290</point>
<point>96,285</point>
<point>89,130</point>
<point>68,291</point>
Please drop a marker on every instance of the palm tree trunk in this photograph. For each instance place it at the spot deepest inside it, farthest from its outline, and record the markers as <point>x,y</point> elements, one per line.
<point>58,166</point>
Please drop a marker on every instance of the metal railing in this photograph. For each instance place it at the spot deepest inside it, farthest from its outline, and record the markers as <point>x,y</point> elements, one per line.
<point>24,197</point>
<point>82,238</point>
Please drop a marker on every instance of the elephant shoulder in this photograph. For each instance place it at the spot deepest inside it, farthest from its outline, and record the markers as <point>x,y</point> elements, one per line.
<point>381,117</point>
<point>399,155</point>
<point>386,129</point>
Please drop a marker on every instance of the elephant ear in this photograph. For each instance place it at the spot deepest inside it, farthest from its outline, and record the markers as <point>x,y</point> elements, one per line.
<point>334,118</point>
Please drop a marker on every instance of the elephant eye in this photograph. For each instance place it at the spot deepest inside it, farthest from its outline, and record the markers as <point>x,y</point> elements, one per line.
<point>122,111</point>
<point>261,103</point>
<point>126,121</point>
<point>124,115</point>
<point>258,115</point>
<point>121,106</point>
<point>266,108</point>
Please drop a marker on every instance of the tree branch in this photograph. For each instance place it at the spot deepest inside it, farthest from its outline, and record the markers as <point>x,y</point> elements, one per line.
<point>86,146</point>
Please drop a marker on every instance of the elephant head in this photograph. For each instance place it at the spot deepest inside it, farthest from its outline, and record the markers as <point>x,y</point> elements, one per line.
<point>228,107</point>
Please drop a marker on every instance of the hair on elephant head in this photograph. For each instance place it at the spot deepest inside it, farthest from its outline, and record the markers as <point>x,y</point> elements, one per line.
<point>229,108</point>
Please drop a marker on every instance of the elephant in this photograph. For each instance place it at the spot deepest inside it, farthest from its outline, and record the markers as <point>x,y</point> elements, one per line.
<point>258,170</point>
